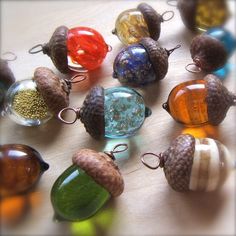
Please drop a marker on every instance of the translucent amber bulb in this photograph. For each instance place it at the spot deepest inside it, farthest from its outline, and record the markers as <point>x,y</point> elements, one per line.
<point>187,103</point>
<point>210,13</point>
<point>131,27</point>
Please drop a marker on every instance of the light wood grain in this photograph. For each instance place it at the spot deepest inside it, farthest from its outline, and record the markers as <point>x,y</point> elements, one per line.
<point>148,205</point>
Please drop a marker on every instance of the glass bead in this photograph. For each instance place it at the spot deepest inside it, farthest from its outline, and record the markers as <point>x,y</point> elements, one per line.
<point>86,48</point>
<point>225,37</point>
<point>131,27</point>
<point>125,112</point>
<point>75,196</point>
<point>21,167</point>
<point>25,105</point>
<point>132,65</point>
<point>187,103</point>
<point>210,13</point>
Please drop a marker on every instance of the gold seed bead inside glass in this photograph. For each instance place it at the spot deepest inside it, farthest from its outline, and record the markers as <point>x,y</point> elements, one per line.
<point>131,27</point>
<point>29,104</point>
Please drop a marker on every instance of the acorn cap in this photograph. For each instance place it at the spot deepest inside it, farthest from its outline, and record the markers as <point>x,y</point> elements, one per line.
<point>152,18</point>
<point>7,78</point>
<point>187,9</point>
<point>158,57</point>
<point>178,160</point>
<point>208,53</point>
<point>92,112</point>
<point>56,49</point>
<point>101,168</point>
<point>218,99</point>
<point>54,90</point>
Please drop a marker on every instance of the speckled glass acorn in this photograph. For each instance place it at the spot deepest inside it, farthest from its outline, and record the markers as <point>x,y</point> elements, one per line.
<point>7,78</point>
<point>77,49</point>
<point>199,102</point>
<point>194,164</point>
<point>114,112</point>
<point>33,102</point>
<point>134,24</point>
<point>211,50</point>
<point>21,168</point>
<point>82,189</point>
<point>203,14</point>
<point>142,63</point>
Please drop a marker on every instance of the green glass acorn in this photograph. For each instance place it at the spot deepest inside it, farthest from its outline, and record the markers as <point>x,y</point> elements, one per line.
<point>20,168</point>
<point>83,188</point>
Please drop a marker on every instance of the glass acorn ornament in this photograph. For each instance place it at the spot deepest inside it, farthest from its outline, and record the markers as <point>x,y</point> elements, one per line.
<point>194,164</point>
<point>114,112</point>
<point>34,101</point>
<point>7,78</point>
<point>211,50</point>
<point>83,188</point>
<point>198,102</point>
<point>142,63</point>
<point>200,15</point>
<point>21,168</point>
<point>77,49</point>
<point>134,24</point>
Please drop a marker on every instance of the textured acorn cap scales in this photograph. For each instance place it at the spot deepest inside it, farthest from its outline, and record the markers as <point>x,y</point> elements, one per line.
<point>101,168</point>
<point>56,49</point>
<point>54,90</point>
<point>208,53</point>
<point>152,19</point>
<point>158,57</point>
<point>218,99</point>
<point>178,160</point>
<point>92,112</point>
<point>187,9</point>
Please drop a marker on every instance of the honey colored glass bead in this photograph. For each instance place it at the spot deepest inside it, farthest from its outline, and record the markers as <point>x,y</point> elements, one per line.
<point>20,168</point>
<point>210,13</point>
<point>200,102</point>
<point>131,27</point>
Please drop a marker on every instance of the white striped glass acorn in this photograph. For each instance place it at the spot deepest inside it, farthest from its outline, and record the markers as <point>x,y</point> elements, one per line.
<point>196,164</point>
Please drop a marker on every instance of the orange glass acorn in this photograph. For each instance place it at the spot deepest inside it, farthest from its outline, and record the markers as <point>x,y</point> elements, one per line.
<point>199,102</point>
<point>20,168</point>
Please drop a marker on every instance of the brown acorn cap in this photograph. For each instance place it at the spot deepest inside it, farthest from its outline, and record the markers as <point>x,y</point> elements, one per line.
<point>218,99</point>
<point>92,112</point>
<point>54,90</point>
<point>208,53</point>
<point>56,49</point>
<point>178,160</point>
<point>158,57</point>
<point>152,18</point>
<point>101,168</point>
<point>187,9</point>
<point>7,78</point>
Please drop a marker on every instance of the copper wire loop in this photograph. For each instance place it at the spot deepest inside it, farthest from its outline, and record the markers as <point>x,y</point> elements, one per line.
<point>81,76</point>
<point>172,3</point>
<point>166,13</point>
<point>109,48</point>
<point>197,68</point>
<point>11,56</point>
<point>114,151</point>
<point>35,49</point>
<point>173,49</point>
<point>75,110</point>
<point>160,160</point>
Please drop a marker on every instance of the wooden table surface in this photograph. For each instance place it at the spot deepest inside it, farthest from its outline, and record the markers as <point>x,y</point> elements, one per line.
<point>148,205</point>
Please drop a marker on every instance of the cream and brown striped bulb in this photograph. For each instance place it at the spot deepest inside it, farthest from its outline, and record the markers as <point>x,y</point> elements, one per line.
<point>196,164</point>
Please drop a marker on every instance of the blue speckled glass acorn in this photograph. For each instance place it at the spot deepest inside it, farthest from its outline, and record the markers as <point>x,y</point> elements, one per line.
<point>114,112</point>
<point>211,50</point>
<point>142,63</point>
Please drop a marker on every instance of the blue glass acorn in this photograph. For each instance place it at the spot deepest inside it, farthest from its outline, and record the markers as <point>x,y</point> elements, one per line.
<point>142,63</point>
<point>114,112</point>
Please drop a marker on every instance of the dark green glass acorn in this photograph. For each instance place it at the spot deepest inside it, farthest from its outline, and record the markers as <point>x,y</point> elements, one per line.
<point>83,188</point>
<point>20,168</point>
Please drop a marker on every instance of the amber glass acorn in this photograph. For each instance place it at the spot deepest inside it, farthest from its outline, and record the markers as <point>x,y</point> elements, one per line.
<point>200,102</point>
<point>20,168</point>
